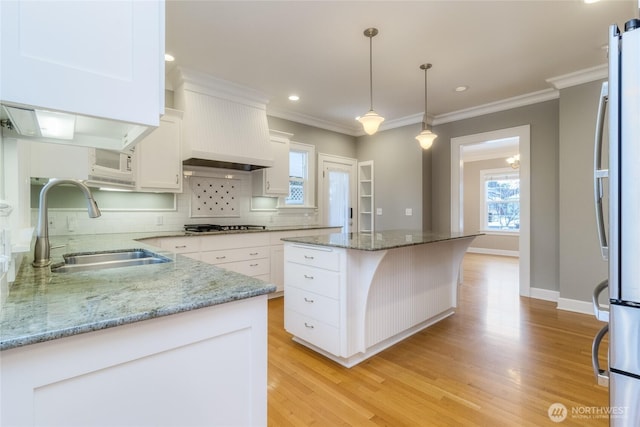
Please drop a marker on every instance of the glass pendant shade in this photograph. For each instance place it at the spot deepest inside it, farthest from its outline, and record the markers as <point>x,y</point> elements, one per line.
<point>425,138</point>
<point>371,122</point>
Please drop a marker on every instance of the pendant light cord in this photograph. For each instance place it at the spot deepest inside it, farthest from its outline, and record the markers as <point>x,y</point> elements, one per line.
<point>370,72</point>
<point>424,122</point>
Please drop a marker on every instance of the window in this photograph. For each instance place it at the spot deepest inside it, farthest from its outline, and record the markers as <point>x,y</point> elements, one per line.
<point>301,173</point>
<point>500,200</point>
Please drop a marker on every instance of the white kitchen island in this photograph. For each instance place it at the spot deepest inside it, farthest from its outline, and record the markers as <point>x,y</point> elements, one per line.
<point>349,296</point>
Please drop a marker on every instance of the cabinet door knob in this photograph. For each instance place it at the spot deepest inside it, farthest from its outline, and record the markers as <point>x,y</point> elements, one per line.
<point>253,253</point>
<point>308,277</point>
<point>180,246</point>
<point>308,325</point>
<point>308,257</point>
<point>253,265</point>
<point>220,257</point>
<point>308,300</point>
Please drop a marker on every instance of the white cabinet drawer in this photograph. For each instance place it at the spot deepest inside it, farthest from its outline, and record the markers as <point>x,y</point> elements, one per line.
<point>313,331</point>
<point>313,305</point>
<point>233,255</point>
<point>180,245</point>
<point>234,240</point>
<point>313,256</point>
<point>254,267</point>
<point>319,281</point>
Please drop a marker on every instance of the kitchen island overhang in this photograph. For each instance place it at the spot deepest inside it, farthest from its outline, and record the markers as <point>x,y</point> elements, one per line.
<point>349,296</point>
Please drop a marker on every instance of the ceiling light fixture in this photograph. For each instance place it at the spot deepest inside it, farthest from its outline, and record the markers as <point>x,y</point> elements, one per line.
<point>461,88</point>
<point>294,98</point>
<point>371,121</point>
<point>426,137</point>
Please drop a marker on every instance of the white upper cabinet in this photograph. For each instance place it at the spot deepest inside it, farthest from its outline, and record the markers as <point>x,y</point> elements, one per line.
<point>159,165</point>
<point>274,181</point>
<point>94,59</point>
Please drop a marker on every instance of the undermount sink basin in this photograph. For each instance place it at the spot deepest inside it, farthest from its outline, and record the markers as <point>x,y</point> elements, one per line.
<point>87,261</point>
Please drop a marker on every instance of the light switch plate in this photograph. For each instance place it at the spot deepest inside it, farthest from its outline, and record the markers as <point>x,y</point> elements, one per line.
<point>408,211</point>
<point>378,211</point>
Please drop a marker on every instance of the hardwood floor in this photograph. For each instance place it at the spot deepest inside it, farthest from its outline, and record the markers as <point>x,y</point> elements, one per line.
<point>500,360</point>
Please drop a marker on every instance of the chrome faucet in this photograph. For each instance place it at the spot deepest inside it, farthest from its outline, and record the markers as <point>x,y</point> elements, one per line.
<point>41,253</point>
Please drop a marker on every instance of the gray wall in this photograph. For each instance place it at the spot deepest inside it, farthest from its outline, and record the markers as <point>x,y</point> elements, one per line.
<point>581,266</point>
<point>543,119</point>
<point>325,141</point>
<point>471,202</point>
<point>398,169</point>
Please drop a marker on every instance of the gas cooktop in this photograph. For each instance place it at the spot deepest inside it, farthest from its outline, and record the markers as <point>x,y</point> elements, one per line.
<point>201,228</point>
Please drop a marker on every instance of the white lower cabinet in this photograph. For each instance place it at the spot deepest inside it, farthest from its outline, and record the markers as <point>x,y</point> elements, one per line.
<point>256,254</point>
<point>314,304</point>
<point>277,251</point>
<point>244,253</point>
<point>206,367</point>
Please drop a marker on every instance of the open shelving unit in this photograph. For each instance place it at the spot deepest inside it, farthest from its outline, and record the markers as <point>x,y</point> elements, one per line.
<point>366,197</point>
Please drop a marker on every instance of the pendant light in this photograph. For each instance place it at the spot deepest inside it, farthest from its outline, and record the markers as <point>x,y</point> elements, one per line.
<point>426,137</point>
<point>371,121</point>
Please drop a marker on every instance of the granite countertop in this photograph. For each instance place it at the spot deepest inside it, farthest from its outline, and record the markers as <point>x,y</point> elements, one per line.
<point>42,306</point>
<point>378,241</point>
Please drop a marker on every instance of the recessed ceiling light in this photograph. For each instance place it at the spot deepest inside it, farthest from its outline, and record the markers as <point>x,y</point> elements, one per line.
<point>169,57</point>
<point>591,1</point>
<point>461,88</point>
<point>294,98</point>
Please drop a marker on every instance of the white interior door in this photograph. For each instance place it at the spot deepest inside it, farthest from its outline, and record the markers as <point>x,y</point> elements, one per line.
<point>337,191</point>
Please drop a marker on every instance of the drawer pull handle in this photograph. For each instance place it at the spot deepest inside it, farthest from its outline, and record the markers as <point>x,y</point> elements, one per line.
<point>308,300</point>
<point>253,253</point>
<point>308,257</point>
<point>253,265</point>
<point>180,247</point>
<point>308,325</point>
<point>220,257</point>
<point>308,277</point>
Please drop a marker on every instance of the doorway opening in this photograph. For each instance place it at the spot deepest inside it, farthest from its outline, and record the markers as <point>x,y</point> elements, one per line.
<point>458,146</point>
<point>337,191</point>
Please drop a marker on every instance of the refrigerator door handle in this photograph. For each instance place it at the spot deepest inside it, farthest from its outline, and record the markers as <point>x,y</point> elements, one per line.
<point>602,375</point>
<point>599,173</point>
<point>601,313</point>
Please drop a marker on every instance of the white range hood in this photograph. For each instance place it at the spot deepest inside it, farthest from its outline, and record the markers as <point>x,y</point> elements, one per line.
<point>224,125</point>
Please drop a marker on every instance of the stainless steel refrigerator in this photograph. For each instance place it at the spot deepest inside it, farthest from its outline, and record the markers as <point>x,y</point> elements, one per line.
<point>619,225</point>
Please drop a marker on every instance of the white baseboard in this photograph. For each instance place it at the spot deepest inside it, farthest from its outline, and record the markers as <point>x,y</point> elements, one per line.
<point>544,294</point>
<point>574,305</point>
<point>577,306</point>
<point>500,252</point>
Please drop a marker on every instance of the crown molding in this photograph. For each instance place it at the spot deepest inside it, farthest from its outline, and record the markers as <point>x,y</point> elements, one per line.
<point>313,121</point>
<point>560,82</point>
<point>579,77</point>
<point>494,107</point>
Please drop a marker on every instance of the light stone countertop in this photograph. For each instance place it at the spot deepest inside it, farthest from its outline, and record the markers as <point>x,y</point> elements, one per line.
<point>42,306</point>
<point>378,241</point>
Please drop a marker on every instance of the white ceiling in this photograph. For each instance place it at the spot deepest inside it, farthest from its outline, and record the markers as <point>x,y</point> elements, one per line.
<point>316,49</point>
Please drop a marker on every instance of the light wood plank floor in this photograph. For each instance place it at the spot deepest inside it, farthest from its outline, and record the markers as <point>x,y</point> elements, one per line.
<point>500,360</point>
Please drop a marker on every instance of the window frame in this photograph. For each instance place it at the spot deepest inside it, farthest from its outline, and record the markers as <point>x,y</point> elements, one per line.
<point>308,182</point>
<point>485,174</point>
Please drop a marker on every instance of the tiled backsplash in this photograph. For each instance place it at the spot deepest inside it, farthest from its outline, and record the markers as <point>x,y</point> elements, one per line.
<point>76,221</point>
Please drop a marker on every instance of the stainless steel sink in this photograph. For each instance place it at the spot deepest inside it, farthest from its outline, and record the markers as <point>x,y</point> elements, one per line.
<point>87,261</point>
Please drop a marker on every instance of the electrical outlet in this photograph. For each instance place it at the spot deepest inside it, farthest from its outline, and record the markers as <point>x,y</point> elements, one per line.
<point>159,220</point>
<point>408,211</point>
<point>378,211</point>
